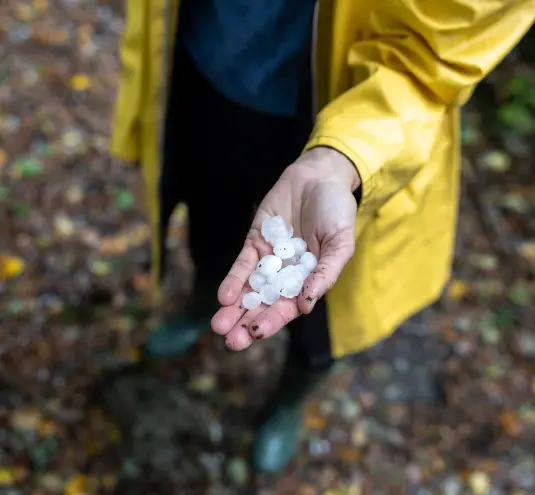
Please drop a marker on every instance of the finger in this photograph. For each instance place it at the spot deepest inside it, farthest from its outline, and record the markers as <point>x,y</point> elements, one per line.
<point>254,248</point>
<point>239,338</point>
<point>232,285</point>
<point>335,254</point>
<point>228,316</point>
<point>273,318</point>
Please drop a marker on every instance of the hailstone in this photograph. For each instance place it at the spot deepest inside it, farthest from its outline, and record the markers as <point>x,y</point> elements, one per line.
<point>269,295</point>
<point>299,245</point>
<point>269,264</point>
<point>289,281</point>
<point>251,300</point>
<point>275,229</point>
<point>284,250</point>
<point>257,280</point>
<point>309,261</point>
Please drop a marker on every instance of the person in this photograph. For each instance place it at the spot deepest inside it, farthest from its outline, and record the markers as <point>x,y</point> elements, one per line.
<point>309,110</point>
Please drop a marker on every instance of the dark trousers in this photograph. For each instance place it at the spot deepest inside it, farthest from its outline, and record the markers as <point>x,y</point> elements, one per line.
<point>221,159</point>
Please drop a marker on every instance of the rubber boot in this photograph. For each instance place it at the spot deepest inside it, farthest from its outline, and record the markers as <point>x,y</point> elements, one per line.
<point>277,439</point>
<point>176,334</point>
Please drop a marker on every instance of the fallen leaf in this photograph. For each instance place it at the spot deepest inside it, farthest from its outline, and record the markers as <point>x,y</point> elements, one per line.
<point>510,424</point>
<point>7,477</point>
<point>48,428</point>
<point>457,289</point>
<point>10,267</point>
<point>313,420</point>
<point>77,485</point>
<point>3,158</point>
<point>347,453</point>
<point>125,240</point>
<point>80,82</point>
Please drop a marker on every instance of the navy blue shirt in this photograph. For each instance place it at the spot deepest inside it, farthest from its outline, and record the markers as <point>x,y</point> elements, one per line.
<point>252,51</point>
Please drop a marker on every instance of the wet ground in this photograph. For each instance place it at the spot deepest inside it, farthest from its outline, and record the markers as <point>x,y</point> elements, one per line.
<point>445,406</point>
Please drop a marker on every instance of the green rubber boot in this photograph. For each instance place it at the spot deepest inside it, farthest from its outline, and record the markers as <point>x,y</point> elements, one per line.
<point>176,334</point>
<point>277,439</point>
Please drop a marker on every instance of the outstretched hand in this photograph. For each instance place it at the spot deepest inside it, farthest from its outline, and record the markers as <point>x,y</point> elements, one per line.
<point>314,195</point>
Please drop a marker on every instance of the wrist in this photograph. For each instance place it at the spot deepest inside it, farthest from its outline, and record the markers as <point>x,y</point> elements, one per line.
<point>335,164</point>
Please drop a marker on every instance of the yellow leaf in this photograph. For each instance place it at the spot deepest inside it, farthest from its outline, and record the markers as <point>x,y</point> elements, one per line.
<point>80,82</point>
<point>77,485</point>
<point>6,476</point>
<point>40,5</point>
<point>10,267</point>
<point>457,289</point>
<point>3,158</point>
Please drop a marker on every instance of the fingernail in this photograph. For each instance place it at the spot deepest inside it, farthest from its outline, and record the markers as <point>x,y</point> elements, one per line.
<point>313,303</point>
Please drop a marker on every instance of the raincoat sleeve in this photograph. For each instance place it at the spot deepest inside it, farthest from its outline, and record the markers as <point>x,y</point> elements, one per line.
<point>415,60</point>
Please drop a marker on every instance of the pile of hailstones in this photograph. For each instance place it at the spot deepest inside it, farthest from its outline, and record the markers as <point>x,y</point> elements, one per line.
<point>283,273</point>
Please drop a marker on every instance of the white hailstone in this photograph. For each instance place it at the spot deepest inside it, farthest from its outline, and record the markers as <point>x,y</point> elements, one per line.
<point>291,288</point>
<point>269,264</point>
<point>271,278</point>
<point>275,229</point>
<point>284,250</point>
<point>309,261</point>
<point>251,300</point>
<point>289,281</point>
<point>257,280</point>
<point>299,245</point>
<point>268,294</point>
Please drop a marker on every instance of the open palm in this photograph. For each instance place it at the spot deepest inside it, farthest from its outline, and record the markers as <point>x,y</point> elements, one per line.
<point>322,210</point>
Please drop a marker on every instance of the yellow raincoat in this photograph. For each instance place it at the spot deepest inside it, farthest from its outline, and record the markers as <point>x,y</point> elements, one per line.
<point>391,76</point>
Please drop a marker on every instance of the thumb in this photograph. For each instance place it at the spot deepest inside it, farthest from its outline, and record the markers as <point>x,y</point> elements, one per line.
<point>335,252</point>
